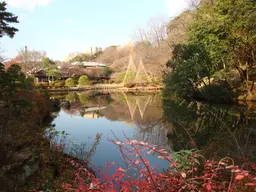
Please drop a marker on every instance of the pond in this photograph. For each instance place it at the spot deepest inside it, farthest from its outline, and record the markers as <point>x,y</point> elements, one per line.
<point>216,130</point>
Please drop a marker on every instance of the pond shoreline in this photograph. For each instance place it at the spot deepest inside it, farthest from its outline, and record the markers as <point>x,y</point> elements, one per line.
<point>109,87</point>
<point>53,168</point>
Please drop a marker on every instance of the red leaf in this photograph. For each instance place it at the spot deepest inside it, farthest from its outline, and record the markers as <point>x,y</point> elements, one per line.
<point>183,175</point>
<point>119,175</point>
<point>118,142</point>
<point>239,177</point>
<point>208,187</point>
<point>251,184</point>
<point>125,189</point>
<point>236,171</point>
<point>230,167</point>
<point>120,169</point>
<point>161,157</point>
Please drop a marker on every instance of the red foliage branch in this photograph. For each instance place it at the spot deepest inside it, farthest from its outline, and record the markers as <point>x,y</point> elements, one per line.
<point>211,175</point>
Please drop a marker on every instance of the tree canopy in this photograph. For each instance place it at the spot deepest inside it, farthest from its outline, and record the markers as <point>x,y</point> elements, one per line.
<point>221,36</point>
<point>227,31</point>
<point>5,19</point>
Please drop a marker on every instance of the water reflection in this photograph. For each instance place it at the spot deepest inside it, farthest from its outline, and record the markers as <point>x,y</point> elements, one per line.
<point>217,130</point>
<point>143,112</point>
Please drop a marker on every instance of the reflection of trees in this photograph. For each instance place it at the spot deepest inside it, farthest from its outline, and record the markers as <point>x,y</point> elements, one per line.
<point>146,112</point>
<point>71,97</point>
<point>153,133</point>
<point>118,110</point>
<point>143,110</point>
<point>129,107</point>
<point>176,124</point>
<point>84,151</point>
<point>211,128</point>
<point>86,102</point>
<point>138,102</point>
<point>83,97</point>
<point>150,126</point>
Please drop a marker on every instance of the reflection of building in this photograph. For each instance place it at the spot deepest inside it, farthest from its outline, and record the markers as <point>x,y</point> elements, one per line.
<point>131,124</point>
<point>88,64</point>
<point>92,112</point>
<point>92,115</point>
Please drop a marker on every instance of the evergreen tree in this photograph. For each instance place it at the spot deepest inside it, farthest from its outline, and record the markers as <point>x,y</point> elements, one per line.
<point>5,19</point>
<point>222,37</point>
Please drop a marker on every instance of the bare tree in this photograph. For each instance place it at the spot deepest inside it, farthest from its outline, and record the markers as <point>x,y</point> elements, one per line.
<point>68,70</point>
<point>154,58</point>
<point>155,32</point>
<point>193,4</point>
<point>178,29</point>
<point>31,60</point>
<point>108,56</point>
<point>152,47</point>
<point>158,30</point>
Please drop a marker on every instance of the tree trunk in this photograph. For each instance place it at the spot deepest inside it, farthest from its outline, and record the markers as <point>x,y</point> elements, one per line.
<point>252,87</point>
<point>242,74</point>
<point>247,81</point>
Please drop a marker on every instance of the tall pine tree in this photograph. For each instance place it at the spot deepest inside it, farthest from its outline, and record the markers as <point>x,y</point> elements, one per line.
<point>5,19</point>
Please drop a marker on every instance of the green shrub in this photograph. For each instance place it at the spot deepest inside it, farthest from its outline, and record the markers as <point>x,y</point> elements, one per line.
<point>130,77</point>
<point>111,81</point>
<point>59,84</point>
<point>51,84</point>
<point>42,85</point>
<point>70,82</point>
<point>83,80</point>
<point>217,92</point>
<point>107,71</point>
<point>29,82</point>
<point>39,86</point>
<point>120,77</point>
<point>130,85</point>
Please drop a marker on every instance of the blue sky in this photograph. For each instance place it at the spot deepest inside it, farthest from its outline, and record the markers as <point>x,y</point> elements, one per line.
<point>60,27</point>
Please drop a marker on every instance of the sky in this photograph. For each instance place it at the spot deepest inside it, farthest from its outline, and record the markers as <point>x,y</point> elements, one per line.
<point>60,27</point>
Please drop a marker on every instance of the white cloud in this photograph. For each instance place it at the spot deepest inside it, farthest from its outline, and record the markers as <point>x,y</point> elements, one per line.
<point>177,6</point>
<point>27,4</point>
<point>68,21</point>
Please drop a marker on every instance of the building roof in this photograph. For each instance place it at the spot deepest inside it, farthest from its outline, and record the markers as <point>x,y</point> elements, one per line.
<point>89,64</point>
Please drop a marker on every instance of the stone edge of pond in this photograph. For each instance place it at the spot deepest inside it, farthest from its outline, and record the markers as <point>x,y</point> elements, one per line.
<point>113,89</point>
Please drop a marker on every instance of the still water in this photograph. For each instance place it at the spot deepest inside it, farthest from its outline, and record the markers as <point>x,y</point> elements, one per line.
<point>216,130</point>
